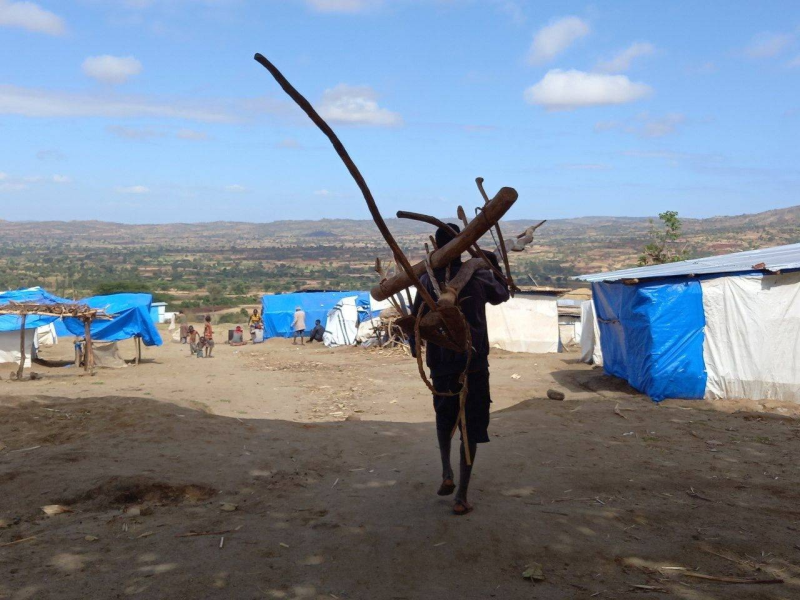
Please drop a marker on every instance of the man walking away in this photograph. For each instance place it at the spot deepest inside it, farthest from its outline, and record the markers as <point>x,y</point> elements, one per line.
<point>446,367</point>
<point>317,332</point>
<point>299,325</point>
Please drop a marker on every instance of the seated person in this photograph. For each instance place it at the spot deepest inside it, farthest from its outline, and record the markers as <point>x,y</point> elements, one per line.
<point>316,333</point>
<point>255,323</point>
<point>238,337</point>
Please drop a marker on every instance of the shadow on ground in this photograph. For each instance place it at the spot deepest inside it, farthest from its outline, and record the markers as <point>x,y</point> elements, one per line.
<point>610,504</point>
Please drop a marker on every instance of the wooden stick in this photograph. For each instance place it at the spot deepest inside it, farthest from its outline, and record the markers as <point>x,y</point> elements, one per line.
<point>200,533</point>
<point>88,355</point>
<point>503,250</point>
<point>305,105</point>
<point>21,348</point>
<point>730,579</point>
<point>138,350</point>
<point>481,224</point>
<point>17,541</point>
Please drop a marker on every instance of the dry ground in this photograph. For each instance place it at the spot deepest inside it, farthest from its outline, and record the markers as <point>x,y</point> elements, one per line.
<point>329,460</point>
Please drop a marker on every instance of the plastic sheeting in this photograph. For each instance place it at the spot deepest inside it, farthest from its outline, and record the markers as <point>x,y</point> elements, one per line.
<point>130,311</point>
<point>9,346</point>
<point>526,323</point>
<point>341,328</point>
<point>591,351</point>
<point>278,309</point>
<point>752,342</point>
<point>34,294</point>
<point>651,335</point>
<point>131,318</point>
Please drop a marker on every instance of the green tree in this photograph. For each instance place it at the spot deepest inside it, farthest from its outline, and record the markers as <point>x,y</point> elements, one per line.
<point>664,242</point>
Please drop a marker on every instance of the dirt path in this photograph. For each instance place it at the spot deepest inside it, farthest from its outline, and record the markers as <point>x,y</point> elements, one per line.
<point>334,487</point>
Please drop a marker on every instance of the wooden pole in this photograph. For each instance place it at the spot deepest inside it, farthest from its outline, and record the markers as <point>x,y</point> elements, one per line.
<point>21,347</point>
<point>88,355</point>
<point>138,350</point>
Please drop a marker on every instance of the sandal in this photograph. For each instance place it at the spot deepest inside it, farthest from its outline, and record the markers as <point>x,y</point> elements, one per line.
<point>447,487</point>
<point>462,507</point>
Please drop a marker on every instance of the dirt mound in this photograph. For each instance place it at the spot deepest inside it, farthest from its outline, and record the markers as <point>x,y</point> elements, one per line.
<point>124,491</point>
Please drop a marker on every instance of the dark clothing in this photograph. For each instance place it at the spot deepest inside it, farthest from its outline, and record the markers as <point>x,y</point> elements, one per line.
<point>316,334</point>
<point>483,287</point>
<point>476,409</point>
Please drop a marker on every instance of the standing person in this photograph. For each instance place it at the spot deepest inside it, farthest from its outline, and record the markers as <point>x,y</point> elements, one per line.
<point>317,332</point>
<point>446,367</point>
<point>208,336</point>
<point>184,326</point>
<point>194,339</point>
<point>256,323</point>
<point>299,325</point>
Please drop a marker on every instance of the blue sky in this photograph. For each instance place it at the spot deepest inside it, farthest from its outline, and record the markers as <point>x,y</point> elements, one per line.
<point>154,110</point>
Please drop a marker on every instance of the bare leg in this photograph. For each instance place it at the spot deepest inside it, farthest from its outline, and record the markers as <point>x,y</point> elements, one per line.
<point>447,486</point>
<point>465,472</point>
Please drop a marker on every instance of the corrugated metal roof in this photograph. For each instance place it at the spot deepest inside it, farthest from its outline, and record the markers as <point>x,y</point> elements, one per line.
<point>779,258</point>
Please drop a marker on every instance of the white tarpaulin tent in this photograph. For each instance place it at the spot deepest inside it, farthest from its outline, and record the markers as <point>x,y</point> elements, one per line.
<point>591,351</point>
<point>526,323</point>
<point>752,336</point>
<point>718,327</point>
<point>341,327</point>
<point>9,346</point>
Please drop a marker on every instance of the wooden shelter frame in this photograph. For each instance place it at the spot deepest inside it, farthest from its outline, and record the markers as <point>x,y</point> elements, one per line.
<point>73,310</point>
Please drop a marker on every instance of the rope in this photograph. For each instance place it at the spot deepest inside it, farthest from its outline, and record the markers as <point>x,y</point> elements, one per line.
<point>461,420</point>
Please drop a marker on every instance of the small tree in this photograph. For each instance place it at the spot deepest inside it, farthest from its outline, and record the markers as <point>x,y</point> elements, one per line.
<point>663,246</point>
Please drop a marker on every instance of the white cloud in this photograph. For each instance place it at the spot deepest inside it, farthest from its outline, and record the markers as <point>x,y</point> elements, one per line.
<point>768,45</point>
<point>192,135</point>
<point>236,188</point>
<point>356,105</point>
<point>132,133</point>
<point>34,102</point>
<point>322,193</point>
<point>134,189</point>
<point>289,143</point>
<point>554,38</point>
<point>15,184</point>
<point>111,69</point>
<point>343,6</point>
<point>61,179</point>
<point>623,59</point>
<point>30,16</point>
<point>645,125</point>
<point>566,90</point>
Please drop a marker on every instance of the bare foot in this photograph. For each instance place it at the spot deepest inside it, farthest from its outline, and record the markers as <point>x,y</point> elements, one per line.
<point>461,507</point>
<point>447,487</point>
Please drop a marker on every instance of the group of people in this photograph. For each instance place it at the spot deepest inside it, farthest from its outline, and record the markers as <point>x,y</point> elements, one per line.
<point>299,328</point>
<point>199,345</point>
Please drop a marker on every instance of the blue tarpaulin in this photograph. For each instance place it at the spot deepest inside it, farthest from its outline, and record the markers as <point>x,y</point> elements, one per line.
<point>35,295</point>
<point>278,309</point>
<point>652,335</point>
<point>131,314</point>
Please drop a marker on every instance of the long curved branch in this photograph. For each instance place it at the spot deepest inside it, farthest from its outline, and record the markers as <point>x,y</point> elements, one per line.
<point>304,104</point>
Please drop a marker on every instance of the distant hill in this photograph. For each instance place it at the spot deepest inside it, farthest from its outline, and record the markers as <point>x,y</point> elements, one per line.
<point>578,245</point>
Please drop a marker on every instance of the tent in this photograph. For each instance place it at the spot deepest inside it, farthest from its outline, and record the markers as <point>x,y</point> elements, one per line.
<point>11,324</point>
<point>591,351</point>
<point>719,327</point>
<point>278,309</point>
<point>341,326</point>
<point>131,318</point>
<point>526,323</point>
<point>130,314</point>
